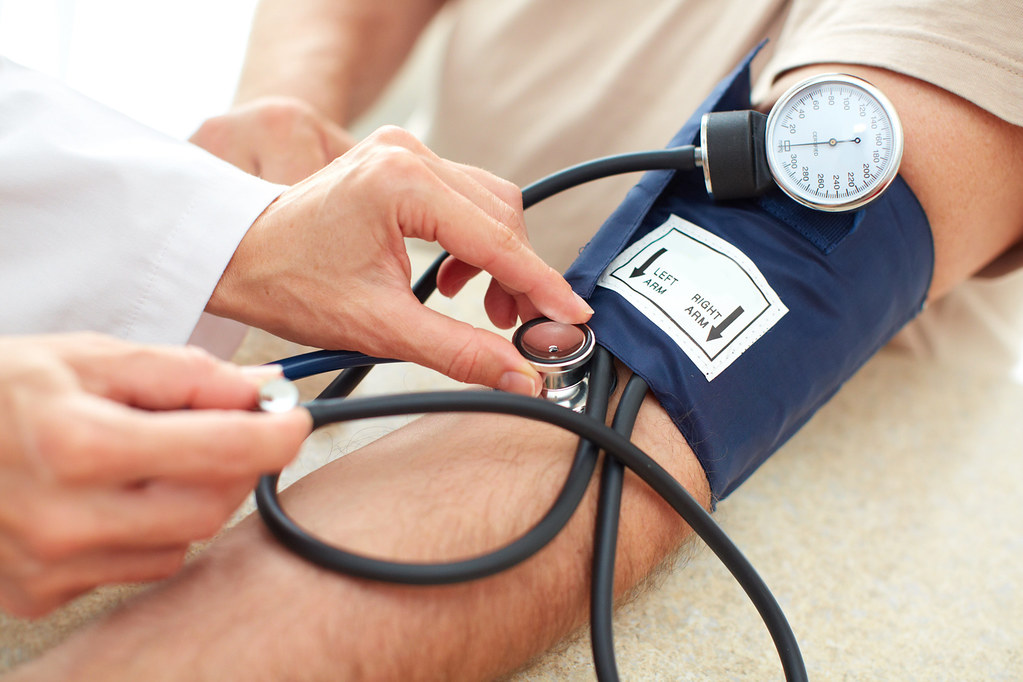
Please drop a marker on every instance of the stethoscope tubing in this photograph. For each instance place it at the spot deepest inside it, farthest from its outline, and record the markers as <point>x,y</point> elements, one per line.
<point>594,435</point>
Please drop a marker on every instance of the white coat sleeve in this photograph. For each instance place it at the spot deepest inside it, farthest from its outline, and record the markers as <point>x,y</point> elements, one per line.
<point>106,224</point>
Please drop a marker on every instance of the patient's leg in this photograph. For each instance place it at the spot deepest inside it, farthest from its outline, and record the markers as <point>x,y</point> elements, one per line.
<point>441,488</point>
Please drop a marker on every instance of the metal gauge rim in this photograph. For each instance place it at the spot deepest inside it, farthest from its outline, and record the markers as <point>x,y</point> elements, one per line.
<point>879,185</point>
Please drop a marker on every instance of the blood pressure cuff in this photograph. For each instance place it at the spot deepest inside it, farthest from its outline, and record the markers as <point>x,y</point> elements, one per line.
<point>745,317</point>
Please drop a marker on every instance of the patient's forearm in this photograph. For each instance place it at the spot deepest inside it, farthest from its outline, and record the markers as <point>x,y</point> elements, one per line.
<point>335,54</point>
<point>443,488</point>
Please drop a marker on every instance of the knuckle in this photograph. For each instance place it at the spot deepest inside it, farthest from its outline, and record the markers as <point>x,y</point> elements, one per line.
<point>281,114</point>
<point>507,216</point>
<point>395,158</point>
<point>506,240</point>
<point>212,132</point>
<point>397,173</point>
<point>394,135</point>
<point>192,362</point>
<point>511,194</point>
<point>198,360</point>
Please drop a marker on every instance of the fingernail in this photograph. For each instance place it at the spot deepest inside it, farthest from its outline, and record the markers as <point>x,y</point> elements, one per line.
<point>260,375</point>
<point>583,304</point>
<point>521,383</point>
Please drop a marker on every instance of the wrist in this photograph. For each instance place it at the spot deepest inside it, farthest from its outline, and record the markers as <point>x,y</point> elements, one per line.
<point>231,297</point>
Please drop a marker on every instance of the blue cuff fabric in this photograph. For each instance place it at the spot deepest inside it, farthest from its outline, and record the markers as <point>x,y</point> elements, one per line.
<point>849,282</point>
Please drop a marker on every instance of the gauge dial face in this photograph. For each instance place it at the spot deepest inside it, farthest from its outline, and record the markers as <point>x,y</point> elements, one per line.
<point>834,142</point>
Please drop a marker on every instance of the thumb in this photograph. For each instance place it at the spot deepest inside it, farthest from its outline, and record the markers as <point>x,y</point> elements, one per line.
<point>463,352</point>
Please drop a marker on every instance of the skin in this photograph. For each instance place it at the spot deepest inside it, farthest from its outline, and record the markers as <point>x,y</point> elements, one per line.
<point>280,139</point>
<point>96,487</point>
<point>395,477</point>
<point>348,52</point>
<point>325,264</point>
<point>324,626</point>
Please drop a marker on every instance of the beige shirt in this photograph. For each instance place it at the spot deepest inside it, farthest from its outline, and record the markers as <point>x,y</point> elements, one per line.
<point>530,86</point>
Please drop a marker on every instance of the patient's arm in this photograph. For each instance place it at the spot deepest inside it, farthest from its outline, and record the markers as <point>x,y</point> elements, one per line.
<point>349,50</point>
<point>441,488</point>
<point>451,485</point>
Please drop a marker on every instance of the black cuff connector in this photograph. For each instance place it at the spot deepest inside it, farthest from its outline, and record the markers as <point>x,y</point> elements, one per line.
<point>733,154</point>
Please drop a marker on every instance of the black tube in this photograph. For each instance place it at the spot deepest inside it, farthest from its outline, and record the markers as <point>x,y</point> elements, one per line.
<point>675,158</point>
<point>344,383</point>
<point>312,549</point>
<point>322,361</point>
<point>605,537</point>
<point>330,411</point>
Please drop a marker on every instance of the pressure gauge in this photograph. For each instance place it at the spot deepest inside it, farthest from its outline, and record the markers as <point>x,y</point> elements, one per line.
<point>834,142</point>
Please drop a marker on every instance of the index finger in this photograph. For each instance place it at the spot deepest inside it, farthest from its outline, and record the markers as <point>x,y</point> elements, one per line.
<point>102,441</point>
<point>476,237</point>
<point>161,377</point>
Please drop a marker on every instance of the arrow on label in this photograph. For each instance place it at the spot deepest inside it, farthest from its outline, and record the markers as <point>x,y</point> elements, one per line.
<point>715,332</point>
<point>641,270</point>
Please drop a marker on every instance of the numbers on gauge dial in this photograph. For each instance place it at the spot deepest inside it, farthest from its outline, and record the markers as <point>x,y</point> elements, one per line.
<point>832,142</point>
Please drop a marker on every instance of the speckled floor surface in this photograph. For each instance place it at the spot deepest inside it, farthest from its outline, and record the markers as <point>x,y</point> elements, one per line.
<point>890,529</point>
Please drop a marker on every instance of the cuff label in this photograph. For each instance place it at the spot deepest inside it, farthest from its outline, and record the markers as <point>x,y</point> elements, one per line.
<point>701,291</point>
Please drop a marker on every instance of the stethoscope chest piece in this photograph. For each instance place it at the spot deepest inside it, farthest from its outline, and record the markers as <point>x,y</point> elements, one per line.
<point>561,354</point>
<point>278,395</point>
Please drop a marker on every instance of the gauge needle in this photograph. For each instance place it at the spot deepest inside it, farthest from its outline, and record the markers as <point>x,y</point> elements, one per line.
<point>831,143</point>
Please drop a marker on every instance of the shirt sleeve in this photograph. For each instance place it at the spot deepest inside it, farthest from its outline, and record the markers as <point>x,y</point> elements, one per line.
<point>105,224</point>
<point>972,49</point>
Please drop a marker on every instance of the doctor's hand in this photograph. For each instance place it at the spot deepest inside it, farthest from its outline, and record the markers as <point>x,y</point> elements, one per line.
<point>326,264</point>
<point>114,457</point>
<point>280,139</point>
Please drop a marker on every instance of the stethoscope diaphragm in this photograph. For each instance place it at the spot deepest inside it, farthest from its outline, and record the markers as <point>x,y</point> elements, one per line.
<point>561,354</point>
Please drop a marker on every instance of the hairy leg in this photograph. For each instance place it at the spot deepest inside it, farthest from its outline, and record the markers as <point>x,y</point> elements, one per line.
<point>444,487</point>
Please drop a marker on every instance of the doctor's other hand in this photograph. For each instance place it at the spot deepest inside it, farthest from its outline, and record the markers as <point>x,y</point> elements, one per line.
<point>280,139</point>
<point>114,457</point>
<point>326,264</point>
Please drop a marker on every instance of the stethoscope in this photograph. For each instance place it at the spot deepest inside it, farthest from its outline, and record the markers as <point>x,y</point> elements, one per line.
<point>575,398</point>
<point>747,151</point>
